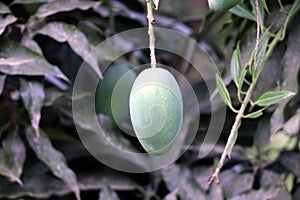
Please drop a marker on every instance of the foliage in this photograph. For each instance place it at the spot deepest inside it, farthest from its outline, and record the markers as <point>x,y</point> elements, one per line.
<point>42,45</point>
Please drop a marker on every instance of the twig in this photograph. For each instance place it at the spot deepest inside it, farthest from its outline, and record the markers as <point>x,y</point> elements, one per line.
<point>257,33</point>
<point>232,136</point>
<point>151,22</point>
<point>240,114</point>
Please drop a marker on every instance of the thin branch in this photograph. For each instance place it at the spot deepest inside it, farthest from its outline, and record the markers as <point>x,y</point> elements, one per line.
<point>232,136</point>
<point>151,22</point>
<point>257,33</point>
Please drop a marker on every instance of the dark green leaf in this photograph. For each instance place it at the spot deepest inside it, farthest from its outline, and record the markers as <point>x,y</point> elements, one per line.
<point>265,5</point>
<point>14,52</point>
<point>63,6</point>
<point>223,91</point>
<point>107,193</point>
<point>54,159</point>
<point>273,97</point>
<point>236,67</point>
<point>241,10</point>
<point>33,95</point>
<point>232,144</point>
<point>2,82</point>
<point>180,178</point>
<point>262,47</point>
<point>77,40</point>
<point>5,21</point>
<point>15,152</point>
<point>4,9</point>
<point>294,10</point>
<point>254,115</point>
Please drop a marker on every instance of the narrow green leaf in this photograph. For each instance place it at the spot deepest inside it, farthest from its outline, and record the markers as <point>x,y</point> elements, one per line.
<point>2,82</point>
<point>5,21</point>
<point>223,90</point>
<point>62,32</point>
<point>54,159</point>
<point>294,10</point>
<point>262,48</point>
<point>265,5</point>
<point>273,97</point>
<point>230,148</point>
<point>33,95</point>
<point>107,193</point>
<point>64,6</point>
<point>241,10</point>
<point>236,67</point>
<point>15,152</point>
<point>242,76</point>
<point>254,115</point>
<point>14,52</point>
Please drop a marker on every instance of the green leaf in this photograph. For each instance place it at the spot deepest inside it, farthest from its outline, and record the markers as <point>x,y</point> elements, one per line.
<point>62,32</point>
<point>5,21</point>
<point>64,6</point>
<point>180,178</point>
<point>262,48</point>
<point>236,67</point>
<point>294,10</point>
<point>2,82</point>
<point>265,5</point>
<point>230,148</point>
<point>54,159</point>
<point>15,152</point>
<point>273,97</point>
<point>33,95</point>
<point>223,91</point>
<point>13,53</point>
<point>241,10</point>
<point>107,193</point>
<point>254,115</point>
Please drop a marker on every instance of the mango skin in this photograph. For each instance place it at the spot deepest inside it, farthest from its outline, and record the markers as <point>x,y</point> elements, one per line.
<point>219,5</point>
<point>104,91</point>
<point>156,110</point>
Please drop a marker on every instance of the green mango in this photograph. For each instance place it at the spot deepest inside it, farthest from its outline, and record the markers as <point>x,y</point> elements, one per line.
<point>156,110</point>
<point>122,77</point>
<point>218,5</point>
